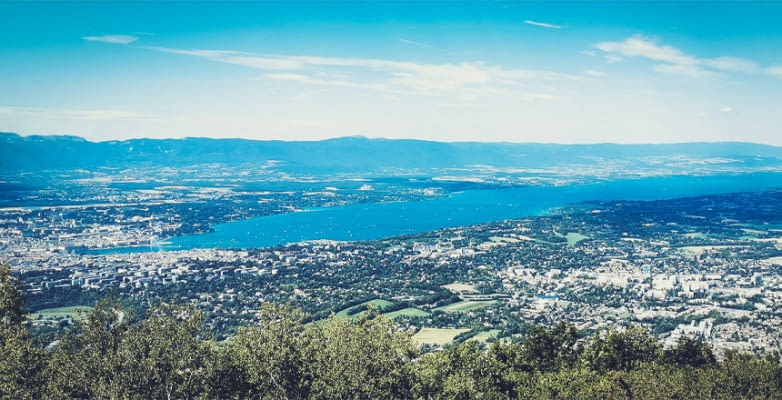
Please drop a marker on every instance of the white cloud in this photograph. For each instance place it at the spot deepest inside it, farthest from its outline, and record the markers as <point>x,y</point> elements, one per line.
<point>418,44</point>
<point>692,71</point>
<point>464,80</point>
<point>612,58</point>
<point>637,46</point>
<point>199,52</point>
<point>236,57</point>
<point>92,115</point>
<point>592,72</point>
<point>116,39</point>
<point>101,115</point>
<point>673,60</point>
<point>290,77</point>
<point>542,24</point>
<point>301,78</point>
<point>775,71</point>
<point>731,64</point>
<point>726,109</point>
<point>262,62</point>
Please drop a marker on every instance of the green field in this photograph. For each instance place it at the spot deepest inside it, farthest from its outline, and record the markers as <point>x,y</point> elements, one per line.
<point>532,239</point>
<point>615,316</point>
<point>573,238</point>
<point>378,303</point>
<point>406,312</point>
<point>464,306</point>
<point>438,336</point>
<point>458,287</point>
<point>71,312</point>
<point>484,336</point>
<point>698,250</point>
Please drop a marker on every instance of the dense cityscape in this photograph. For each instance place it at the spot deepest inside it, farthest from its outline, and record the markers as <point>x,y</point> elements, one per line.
<point>703,267</point>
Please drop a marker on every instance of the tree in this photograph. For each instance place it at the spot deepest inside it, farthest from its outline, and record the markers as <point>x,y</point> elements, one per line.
<point>548,350</point>
<point>459,372</point>
<point>11,298</point>
<point>163,356</point>
<point>335,358</point>
<point>159,357</point>
<point>576,383</point>
<point>87,363</point>
<point>746,376</point>
<point>269,356</point>
<point>616,350</point>
<point>21,365</point>
<point>365,358</point>
<point>21,362</point>
<point>690,352</point>
<point>512,366</point>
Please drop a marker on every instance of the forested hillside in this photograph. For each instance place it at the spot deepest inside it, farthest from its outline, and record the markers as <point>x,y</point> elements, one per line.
<point>167,353</point>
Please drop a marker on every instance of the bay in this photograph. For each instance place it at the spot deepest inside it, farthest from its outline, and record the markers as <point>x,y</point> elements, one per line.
<point>378,220</point>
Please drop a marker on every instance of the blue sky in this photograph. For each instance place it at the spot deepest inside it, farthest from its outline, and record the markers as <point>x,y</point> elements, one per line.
<point>567,72</point>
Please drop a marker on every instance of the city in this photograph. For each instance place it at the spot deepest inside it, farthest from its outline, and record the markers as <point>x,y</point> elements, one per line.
<point>703,267</point>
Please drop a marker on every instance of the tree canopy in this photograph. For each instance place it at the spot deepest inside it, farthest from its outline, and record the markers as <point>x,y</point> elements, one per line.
<point>169,354</point>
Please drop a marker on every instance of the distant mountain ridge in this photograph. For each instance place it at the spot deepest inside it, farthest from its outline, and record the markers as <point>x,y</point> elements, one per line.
<point>21,153</point>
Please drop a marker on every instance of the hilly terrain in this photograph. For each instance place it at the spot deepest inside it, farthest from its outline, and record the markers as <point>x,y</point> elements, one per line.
<point>359,154</point>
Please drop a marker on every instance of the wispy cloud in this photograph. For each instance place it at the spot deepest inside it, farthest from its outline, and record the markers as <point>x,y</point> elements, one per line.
<point>610,58</point>
<point>731,64</point>
<point>595,73</point>
<point>116,39</point>
<point>418,44</point>
<point>542,24</point>
<point>302,78</point>
<point>236,57</point>
<point>464,80</point>
<point>198,52</point>
<point>690,70</point>
<point>726,109</point>
<point>638,46</point>
<point>91,114</point>
<point>672,60</point>
<point>775,71</point>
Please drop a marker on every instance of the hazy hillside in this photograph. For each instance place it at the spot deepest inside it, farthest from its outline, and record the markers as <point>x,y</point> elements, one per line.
<point>350,153</point>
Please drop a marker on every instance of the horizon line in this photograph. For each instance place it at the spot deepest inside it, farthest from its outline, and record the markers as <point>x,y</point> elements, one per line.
<point>364,137</point>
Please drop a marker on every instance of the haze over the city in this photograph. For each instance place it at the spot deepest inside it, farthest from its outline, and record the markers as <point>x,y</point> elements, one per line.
<point>578,72</point>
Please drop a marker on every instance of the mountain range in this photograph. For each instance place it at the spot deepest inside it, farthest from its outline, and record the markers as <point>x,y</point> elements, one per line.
<point>30,153</point>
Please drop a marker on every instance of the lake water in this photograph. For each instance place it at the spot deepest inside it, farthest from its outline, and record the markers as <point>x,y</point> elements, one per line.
<point>374,221</point>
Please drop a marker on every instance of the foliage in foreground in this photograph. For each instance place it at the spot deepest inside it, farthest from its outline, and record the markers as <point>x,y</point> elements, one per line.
<point>168,355</point>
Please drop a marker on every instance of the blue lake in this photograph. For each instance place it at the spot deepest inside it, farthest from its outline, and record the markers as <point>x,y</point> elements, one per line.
<point>374,221</point>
